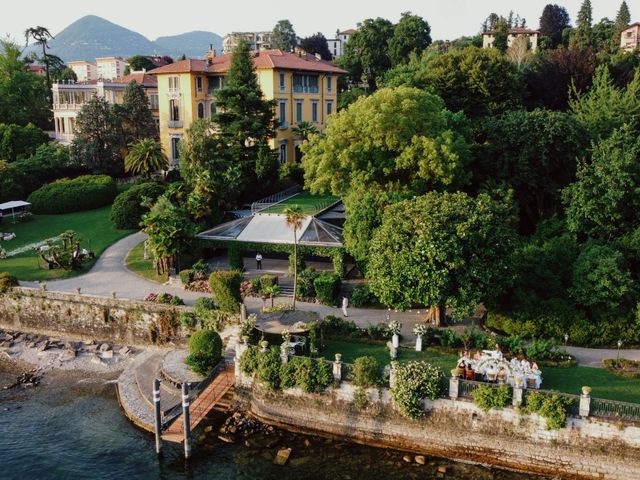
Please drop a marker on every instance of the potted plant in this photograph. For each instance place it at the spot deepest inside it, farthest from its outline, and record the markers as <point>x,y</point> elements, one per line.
<point>394,328</point>
<point>456,372</point>
<point>586,390</point>
<point>419,330</point>
<point>264,345</point>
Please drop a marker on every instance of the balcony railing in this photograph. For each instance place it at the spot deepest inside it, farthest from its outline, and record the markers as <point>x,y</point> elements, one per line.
<point>67,106</point>
<point>304,89</point>
<point>175,123</point>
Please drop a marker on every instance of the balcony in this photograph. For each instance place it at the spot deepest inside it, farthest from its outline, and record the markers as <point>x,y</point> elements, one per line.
<point>305,89</point>
<point>174,123</point>
<point>68,106</point>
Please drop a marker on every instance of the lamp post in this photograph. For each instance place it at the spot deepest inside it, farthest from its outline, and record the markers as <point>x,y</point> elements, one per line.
<point>619,345</point>
<point>566,339</point>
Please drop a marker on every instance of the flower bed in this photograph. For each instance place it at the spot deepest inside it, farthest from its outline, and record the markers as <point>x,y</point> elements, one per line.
<point>164,298</point>
<point>623,367</point>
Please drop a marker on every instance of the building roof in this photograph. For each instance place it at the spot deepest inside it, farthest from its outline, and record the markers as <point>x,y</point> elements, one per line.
<point>263,59</point>
<point>514,31</point>
<point>272,228</point>
<point>81,62</point>
<point>140,78</point>
<point>636,24</point>
<point>348,31</point>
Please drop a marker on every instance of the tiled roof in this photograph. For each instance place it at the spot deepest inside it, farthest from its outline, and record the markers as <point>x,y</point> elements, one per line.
<point>514,31</point>
<point>140,78</point>
<point>348,31</point>
<point>636,24</point>
<point>263,59</point>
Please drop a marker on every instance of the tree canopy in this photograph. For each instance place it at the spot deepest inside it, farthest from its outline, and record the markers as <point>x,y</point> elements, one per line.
<point>553,22</point>
<point>284,36</point>
<point>402,135</point>
<point>411,36</point>
<point>316,44</point>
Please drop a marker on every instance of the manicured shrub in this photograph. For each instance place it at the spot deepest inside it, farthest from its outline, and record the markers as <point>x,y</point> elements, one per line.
<point>73,195</point>
<point>186,276</point>
<point>554,408</point>
<point>267,281</point>
<point>448,338</point>
<point>249,360</point>
<point>313,375</point>
<point>379,331</point>
<point>335,326</point>
<point>288,374</point>
<point>362,297</point>
<point>128,208</point>
<point>225,289</point>
<point>305,286</point>
<point>7,281</point>
<point>327,286</point>
<point>415,381</point>
<point>487,397</point>
<point>205,351</point>
<point>269,368</point>
<point>366,372</point>
<point>209,316</point>
<point>236,261</point>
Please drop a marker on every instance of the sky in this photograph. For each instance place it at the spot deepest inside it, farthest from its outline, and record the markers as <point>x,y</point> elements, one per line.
<point>448,18</point>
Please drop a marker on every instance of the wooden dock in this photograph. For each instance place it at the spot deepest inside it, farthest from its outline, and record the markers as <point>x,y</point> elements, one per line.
<point>208,399</point>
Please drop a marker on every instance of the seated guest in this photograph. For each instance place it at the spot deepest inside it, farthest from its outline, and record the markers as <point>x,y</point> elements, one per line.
<point>498,352</point>
<point>534,366</point>
<point>477,355</point>
<point>502,375</point>
<point>525,364</point>
<point>491,374</point>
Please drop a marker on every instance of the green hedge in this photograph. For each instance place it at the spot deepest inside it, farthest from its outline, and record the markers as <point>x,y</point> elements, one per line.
<point>267,281</point>
<point>127,209</point>
<point>186,276</point>
<point>327,286</point>
<point>363,297</point>
<point>73,195</point>
<point>205,351</point>
<point>225,289</point>
<point>236,261</point>
<point>305,285</point>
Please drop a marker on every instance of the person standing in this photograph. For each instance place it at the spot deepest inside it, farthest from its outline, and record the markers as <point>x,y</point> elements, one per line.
<point>345,304</point>
<point>259,261</point>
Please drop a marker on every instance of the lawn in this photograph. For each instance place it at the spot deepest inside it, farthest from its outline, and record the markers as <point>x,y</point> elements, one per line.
<point>569,380</point>
<point>93,226</point>
<point>138,265</point>
<point>311,204</point>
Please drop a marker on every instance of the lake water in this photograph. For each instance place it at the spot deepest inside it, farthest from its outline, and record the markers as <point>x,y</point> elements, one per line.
<point>75,430</point>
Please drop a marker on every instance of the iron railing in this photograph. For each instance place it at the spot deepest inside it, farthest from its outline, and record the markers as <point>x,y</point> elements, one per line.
<point>271,200</point>
<point>614,409</point>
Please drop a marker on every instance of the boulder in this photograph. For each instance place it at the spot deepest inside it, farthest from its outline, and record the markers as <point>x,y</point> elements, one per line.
<point>104,347</point>
<point>282,456</point>
<point>107,354</point>
<point>419,459</point>
<point>406,458</point>
<point>96,359</point>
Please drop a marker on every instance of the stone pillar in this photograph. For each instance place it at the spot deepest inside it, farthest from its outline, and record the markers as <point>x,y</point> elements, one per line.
<point>284,354</point>
<point>240,348</point>
<point>243,312</point>
<point>585,405</point>
<point>454,383</point>
<point>517,396</point>
<point>392,374</point>
<point>337,370</point>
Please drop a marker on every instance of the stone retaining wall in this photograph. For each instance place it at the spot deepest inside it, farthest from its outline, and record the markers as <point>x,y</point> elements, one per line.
<point>585,449</point>
<point>89,317</point>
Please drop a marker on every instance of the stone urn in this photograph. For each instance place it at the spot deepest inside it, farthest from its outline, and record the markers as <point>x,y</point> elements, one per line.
<point>586,390</point>
<point>395,340</point>
<point>245,339</point>
<point>419,344</point>
<point>338,357</point>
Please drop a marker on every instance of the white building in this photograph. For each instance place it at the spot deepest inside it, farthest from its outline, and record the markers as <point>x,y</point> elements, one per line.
<point>255,40</point>
<point>488,38</point>
<point>68,99</point>
<point>336,45</point>
<point>85,71</point>
<point>630,38</point>
<point>110,68</point>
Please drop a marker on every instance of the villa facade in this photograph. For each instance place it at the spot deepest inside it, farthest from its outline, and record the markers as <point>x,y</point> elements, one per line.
<point>533,36</point>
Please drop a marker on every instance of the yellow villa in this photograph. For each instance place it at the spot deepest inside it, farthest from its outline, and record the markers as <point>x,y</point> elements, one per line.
<point>303,86</point>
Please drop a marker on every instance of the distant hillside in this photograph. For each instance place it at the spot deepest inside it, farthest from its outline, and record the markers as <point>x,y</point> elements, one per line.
<point>192,44</point>
<point>91,36</point>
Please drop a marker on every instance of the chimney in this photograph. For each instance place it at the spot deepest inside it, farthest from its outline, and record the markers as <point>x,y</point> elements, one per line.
<point>210,55</point>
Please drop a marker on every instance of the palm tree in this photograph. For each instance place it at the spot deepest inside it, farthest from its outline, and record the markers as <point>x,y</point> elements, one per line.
<point>41,36</point>
<point>304,129</point>
<point>294,217</point>
<point>145,157</point>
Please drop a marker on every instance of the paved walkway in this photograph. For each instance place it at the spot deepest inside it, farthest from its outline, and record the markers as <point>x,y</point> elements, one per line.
<point>109,274</point>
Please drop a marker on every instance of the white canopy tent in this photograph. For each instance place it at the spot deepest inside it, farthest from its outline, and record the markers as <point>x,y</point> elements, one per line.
<point>12,209</point>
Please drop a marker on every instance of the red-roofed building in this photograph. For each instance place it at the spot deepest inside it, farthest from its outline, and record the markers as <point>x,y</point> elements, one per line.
<point>630,38</point>
<point>336,45</point>
<point>303,86</point>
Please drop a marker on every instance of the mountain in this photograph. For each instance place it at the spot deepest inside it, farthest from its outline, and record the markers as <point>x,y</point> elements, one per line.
<point>192,44</point>
<point>91,36</point>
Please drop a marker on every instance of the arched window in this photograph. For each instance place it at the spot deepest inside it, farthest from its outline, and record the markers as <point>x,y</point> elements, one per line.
<point>200,110</point>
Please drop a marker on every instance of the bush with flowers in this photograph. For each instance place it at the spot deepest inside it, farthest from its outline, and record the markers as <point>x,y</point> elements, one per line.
<point>394,327</point>
<point>415,381</point>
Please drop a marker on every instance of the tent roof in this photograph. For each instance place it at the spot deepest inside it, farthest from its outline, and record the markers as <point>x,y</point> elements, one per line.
<point>14,204</point>
<point>272,228</point>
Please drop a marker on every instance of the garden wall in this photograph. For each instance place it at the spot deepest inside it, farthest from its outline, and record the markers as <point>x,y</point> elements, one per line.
<point>88,317</point>
<point>585,449</point>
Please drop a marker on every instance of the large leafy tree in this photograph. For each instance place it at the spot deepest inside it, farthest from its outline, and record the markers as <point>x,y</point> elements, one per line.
<point>23,94</point>
<point>245,121</point>
<point>411,36</point>
<point>366,54</point>
<point>605,36</point>
<point>284,36</point>
<point>170,231</point>
<point>20,142</point>
<point>478,81</point>
<point>604,201</point>
<point>606,107</point>
<point>442,250</point>
<point>553,22</point>
<point>623,17</point>
<point>98,142</point>
<point>316,44</point>
<point>401,135</point>
<point>139,62</point>
<point>145,157</point>
<point>536,153</point>
<point>137,120</point>
<point>550,78</point>
<point>41,37</point>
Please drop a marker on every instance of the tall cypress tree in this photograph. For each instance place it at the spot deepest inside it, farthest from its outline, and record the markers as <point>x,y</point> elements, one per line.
<point>623,18</point>
<point>245,120</point>
<point>582,35</point>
